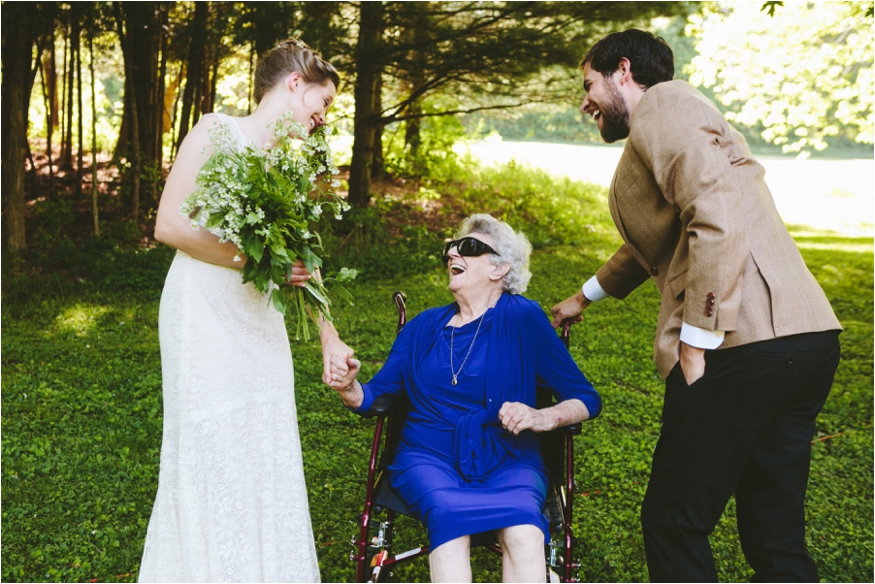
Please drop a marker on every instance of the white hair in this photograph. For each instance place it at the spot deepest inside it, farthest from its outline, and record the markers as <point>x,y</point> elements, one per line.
<point>513,248</point>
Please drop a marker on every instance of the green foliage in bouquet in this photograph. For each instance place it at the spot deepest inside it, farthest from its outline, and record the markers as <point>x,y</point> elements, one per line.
<point>267,201</point>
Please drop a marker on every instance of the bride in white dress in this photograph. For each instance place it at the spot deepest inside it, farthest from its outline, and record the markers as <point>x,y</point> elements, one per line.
<point>232,502</point>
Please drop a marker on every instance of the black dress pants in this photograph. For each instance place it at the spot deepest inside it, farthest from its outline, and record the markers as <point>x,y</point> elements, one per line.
<point>745,427</point>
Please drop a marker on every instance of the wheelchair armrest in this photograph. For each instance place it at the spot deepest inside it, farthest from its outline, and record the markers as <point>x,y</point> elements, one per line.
<point>381,406</point>
<point>572,429</point>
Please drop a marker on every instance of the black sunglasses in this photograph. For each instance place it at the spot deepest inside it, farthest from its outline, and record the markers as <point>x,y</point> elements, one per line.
<point>466,246</point>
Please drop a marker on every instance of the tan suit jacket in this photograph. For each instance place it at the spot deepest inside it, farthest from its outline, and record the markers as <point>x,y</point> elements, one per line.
<point>696,215</point>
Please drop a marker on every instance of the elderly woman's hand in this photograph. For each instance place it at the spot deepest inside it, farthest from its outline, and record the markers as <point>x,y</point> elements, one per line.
<point>342,378</point>
<point>516,417</point>
<point>343,372</point>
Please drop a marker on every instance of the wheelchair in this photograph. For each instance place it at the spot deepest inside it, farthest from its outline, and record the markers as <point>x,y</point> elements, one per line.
<point>373,548</point>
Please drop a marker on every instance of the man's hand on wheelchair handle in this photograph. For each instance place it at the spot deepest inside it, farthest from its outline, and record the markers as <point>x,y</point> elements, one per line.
<point>570,309</point>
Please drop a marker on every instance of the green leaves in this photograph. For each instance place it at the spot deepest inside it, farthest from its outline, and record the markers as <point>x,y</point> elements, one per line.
<point>310,259</point>
<point>267,203</point>
<point>253,247</point>
<point>802,74</point>
<point>346,275</point>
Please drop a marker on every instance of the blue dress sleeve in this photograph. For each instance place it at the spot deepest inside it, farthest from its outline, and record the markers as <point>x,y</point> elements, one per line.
<point>558,372</point>
<point>391,378</point>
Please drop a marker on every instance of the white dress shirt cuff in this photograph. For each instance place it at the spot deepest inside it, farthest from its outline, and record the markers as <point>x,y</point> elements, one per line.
<point>701,338</point>
<point>593,290</point>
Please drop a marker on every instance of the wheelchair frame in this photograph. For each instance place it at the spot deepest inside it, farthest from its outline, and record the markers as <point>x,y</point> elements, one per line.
<point>373,554</point>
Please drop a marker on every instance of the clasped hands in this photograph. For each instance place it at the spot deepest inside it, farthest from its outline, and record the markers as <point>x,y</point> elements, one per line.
<point>332,346</point>
<point>516,417</point>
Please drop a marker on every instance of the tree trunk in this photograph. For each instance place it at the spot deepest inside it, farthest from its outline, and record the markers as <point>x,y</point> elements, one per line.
<point>175,113</point>
<point>377,165</point>
<point>17,54</point>
<point>211,83</point>
<point>94,206</point>
<point>160,106</point>
<point>52,74</point>
<point>48,82</point>
<point>194,71</point>
<point>369,69</point>
<point>251,77</point>
<point>69,74</point>
<point>141,24</point>
<point>77,59</point>
<point>413,133</point>
<point>133,118</point>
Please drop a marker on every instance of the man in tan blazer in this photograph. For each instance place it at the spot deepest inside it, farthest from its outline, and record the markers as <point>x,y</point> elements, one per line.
<point>746,340</point>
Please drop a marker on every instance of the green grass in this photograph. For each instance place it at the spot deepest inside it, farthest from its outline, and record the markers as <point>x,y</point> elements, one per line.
<point>81,399</point>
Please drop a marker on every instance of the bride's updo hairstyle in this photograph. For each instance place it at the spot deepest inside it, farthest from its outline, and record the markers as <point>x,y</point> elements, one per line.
<point>288,56</point>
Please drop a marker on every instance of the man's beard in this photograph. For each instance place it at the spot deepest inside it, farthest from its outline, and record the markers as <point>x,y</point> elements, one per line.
<point>615,115</point>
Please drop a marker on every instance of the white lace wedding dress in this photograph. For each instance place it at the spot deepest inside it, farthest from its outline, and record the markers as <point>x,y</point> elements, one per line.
<point>232,501</point>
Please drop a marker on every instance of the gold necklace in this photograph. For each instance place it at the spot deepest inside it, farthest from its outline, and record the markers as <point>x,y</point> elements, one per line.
<point>452,336</point>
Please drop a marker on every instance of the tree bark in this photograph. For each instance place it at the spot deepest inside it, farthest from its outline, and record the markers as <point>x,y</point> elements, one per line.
<point>48,82</point>
<point>69,74</point>
<point>19,36</point>
<point>251,77</point>
<point>175,125</point>
<point>77,59</point>
<point>194,70</point>
<point>52,74</point>
<point>369,70</point>
<point>133,118</point>
<point>161,87</point>
<point>418,38</point>
<point>94,207</point>
<point>158,99</point>
<point>141,28</point>
<point>378,162</point>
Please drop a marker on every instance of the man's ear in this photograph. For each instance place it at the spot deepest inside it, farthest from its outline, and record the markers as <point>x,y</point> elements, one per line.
<point>625,70</point>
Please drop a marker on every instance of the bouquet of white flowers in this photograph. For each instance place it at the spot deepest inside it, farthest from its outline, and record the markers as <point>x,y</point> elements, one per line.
<point>267,201</point>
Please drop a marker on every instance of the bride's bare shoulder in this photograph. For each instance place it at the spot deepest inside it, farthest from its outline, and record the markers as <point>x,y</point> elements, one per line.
<point>199,139</point>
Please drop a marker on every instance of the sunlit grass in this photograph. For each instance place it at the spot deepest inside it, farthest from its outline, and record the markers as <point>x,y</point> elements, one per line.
<point>81,399</point>
<point>80,319</point>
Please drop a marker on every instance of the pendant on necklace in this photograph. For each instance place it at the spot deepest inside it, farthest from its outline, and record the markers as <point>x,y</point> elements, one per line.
<point>455,381</point>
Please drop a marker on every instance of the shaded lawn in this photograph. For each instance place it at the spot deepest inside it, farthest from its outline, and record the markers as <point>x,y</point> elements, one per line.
<point>81,405</point>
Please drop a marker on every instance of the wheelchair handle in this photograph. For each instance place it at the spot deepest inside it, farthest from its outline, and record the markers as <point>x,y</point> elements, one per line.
<point>566,332</point>
<point>400,298</point>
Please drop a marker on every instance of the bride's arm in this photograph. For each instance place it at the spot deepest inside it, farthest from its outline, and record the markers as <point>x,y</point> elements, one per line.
<point>174,229</point>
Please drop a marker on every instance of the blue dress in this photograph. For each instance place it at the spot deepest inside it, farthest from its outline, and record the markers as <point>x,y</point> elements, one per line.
<point>456,468</point>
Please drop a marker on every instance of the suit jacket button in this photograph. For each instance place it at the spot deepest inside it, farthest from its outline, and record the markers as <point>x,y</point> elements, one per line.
<point>711,296</point>
<point>654,271</point>
<point>708,312</point>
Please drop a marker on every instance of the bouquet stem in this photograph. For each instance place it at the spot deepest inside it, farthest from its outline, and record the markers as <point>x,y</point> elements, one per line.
<point>310,302</point>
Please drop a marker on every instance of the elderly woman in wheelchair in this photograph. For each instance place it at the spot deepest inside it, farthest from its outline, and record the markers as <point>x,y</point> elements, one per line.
<point>468,460</point>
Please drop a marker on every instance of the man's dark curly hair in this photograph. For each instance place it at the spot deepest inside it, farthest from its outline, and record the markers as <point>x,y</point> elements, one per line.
<point>651,58</point>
